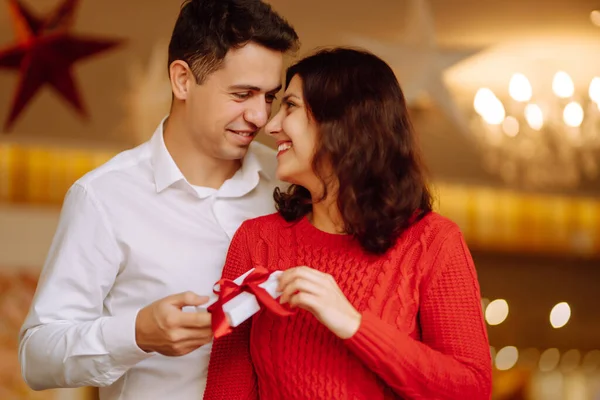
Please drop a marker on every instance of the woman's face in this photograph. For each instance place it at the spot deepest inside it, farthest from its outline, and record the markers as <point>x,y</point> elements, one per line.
<point>296,135</point>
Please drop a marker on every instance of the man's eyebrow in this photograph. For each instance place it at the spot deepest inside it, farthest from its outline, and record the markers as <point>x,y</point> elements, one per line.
<point>253,88</point>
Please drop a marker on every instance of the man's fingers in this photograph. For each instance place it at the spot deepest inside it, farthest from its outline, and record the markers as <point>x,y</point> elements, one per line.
<point>196,320</point>
<point>186,299</point>
<point>203,300</point>
<point>199,338</point>
<point>190,345</point>
<point>184,335</point>
<point>186,341</point>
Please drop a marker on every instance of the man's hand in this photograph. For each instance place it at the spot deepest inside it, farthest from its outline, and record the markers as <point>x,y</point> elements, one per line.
<point>162,326</point>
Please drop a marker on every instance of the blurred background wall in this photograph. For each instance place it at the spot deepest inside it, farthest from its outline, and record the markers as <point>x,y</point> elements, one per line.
<point>505,98</point>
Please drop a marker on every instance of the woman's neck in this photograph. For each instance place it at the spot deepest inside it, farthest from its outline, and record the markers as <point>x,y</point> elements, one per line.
<point>326,217</point>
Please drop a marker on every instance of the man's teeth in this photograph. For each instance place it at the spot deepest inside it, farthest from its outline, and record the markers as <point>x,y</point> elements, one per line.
<point>245,133</point>
<point>284,146</point>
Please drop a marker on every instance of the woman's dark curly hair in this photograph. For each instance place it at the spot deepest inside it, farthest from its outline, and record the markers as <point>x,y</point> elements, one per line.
<point>365,137</point>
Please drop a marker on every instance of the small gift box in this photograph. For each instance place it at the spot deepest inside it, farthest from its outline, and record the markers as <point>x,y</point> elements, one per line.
<point>234,301</point>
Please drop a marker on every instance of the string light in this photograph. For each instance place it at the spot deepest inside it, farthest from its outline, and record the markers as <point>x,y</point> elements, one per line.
<point>595,17</point>
<point>539,139</point>
<point>507,358</point>
<point>570,360</point>
<point>591,361</point>
<point>549,360</point>
<point>496,312</point>
<point>560,315</point>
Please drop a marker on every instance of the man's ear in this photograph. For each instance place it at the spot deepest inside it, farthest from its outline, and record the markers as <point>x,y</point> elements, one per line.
<point>182,79</point>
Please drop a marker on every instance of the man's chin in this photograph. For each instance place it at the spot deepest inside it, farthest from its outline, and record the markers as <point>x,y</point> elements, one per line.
<point>235,152</point>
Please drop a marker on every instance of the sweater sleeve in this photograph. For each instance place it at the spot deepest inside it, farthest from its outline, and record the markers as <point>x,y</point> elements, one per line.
<point>452,361</point>
<point>230,371</point>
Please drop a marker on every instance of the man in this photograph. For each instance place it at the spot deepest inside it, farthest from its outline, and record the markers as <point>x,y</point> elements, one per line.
<point>143,235</point>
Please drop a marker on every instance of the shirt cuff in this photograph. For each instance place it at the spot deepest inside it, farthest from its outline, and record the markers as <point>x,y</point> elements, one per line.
<point>119,338</point>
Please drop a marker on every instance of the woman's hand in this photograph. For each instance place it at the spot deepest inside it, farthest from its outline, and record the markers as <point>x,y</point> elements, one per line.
<point>319,294</point>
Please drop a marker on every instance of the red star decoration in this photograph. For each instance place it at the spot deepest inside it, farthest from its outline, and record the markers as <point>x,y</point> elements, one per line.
<point>45,52</point>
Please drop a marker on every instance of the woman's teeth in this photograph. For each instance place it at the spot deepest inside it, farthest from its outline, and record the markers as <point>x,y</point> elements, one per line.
<point>284,146</point>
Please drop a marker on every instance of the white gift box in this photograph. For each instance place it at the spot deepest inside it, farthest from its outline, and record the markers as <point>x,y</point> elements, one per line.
<point>244,305</point>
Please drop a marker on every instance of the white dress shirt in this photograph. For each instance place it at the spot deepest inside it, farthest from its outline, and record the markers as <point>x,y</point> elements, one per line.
<point>131,232</point>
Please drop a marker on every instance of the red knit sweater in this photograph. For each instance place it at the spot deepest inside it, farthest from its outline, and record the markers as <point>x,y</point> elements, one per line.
<point>422,334</point>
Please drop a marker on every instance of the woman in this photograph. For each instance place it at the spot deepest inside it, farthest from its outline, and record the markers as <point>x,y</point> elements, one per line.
<point>386,293</point>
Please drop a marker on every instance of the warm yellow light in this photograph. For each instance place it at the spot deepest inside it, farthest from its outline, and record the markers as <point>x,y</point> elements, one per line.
<point>549,360</point>
<point>510,126</point>
<point>529,357</point>
<point>591,361</point>
<point>496,312</point>
<point>483,98</point>
<point>506,358</point>
<point>570,360</point>
<point>573,114</point>
<point>560,314</point>
<point>519,88</point>
<point>562,85</point>
<point>595,17</point>
<point>489,106</point>
<point>594,90</point>
<point>534,116</point>
<point>496,114</point>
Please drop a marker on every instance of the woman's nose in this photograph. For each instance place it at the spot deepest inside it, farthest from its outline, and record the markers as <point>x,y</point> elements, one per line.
<point>273,127</point>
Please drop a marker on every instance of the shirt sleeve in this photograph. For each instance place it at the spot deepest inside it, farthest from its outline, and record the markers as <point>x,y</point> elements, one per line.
<point>452,361</point>
<point>231,373</point>
<point>66,341</point>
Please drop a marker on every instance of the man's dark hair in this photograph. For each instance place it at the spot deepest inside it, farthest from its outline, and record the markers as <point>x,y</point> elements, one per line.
<point>366,138</point>
<point>207,29</point>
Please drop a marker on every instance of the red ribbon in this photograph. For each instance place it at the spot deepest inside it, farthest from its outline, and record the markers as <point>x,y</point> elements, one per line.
<point>228,289</point>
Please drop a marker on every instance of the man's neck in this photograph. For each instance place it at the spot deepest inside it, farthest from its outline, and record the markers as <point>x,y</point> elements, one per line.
<point>198,168</point>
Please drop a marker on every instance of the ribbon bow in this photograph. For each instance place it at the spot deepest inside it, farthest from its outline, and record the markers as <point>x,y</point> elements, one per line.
<point>228,289</point>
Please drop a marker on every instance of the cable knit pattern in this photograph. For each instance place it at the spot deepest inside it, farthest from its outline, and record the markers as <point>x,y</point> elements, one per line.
<point>422,334</point>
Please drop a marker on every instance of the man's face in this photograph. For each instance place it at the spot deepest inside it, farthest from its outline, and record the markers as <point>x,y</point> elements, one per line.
<point>225,112</point>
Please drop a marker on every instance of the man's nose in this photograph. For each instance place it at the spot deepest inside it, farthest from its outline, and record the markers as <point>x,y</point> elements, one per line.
<point>258,112</point>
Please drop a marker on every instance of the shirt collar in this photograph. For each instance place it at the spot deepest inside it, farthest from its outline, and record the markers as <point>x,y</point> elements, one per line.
<point>166,172</point>
<point>246,178</point>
